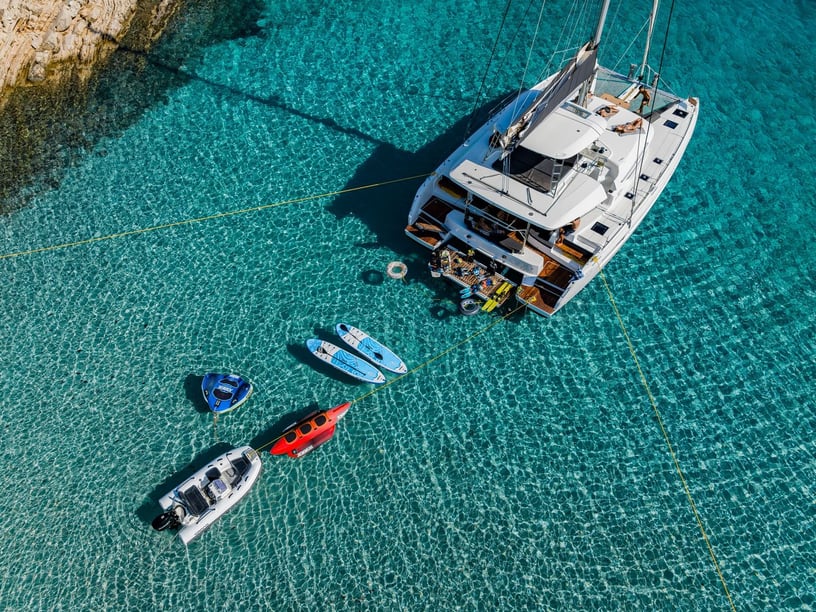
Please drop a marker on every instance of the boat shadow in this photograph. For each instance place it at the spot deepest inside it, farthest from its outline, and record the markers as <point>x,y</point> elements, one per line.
<point>192,390</point>
<point>304,355</point>
<point>150,507</point>
<point>269,435</point>
<point>384,209</point>
<point>371,276</point>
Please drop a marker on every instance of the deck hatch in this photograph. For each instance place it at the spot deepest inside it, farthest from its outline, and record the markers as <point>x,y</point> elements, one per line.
<point>629,195</point>
<point>658,160</point>
<point>599,228</point>
<point>680,113</point>
<point>670,124</point>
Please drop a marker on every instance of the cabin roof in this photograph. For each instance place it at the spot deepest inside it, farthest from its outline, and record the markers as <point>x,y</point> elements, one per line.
<point>566,132</point>
<point>575,198</point>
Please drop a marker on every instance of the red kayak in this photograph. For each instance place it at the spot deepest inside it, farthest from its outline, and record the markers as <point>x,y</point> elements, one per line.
<point>314,430</point>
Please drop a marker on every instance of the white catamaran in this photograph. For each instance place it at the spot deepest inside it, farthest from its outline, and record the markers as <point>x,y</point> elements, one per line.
<point>542,196</point>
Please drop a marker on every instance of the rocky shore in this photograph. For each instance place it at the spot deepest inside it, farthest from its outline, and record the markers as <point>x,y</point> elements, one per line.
<point>53,41</point>
<point>50,53</point>
<point>73,72</point>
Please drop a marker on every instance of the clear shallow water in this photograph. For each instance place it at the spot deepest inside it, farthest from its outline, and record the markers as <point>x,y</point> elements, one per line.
<point>525,469</point>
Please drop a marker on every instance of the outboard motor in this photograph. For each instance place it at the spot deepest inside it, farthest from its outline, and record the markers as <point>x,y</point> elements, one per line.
<point>168,520</point>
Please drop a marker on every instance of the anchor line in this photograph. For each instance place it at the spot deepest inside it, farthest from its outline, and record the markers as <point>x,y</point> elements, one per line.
<point>221,215</point>
<point>417,368</point>
<point>665,434</point>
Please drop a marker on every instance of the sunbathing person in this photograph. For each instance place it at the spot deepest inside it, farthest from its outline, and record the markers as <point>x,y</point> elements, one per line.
<point>627,128</point>
<point>569,228</point>
<point>607,111</point>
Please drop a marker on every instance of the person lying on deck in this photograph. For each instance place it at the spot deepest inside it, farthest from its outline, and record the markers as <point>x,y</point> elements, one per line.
<point>626,128</point>
<point>607,111</point>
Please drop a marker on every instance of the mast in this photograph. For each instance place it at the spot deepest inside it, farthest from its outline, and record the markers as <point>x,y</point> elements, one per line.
<point>652,17</point>
<point>578,73</point>
<point>596,38</point>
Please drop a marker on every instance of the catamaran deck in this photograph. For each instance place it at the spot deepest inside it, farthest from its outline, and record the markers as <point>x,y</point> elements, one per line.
<point>455,264</point>
<point>558,206</point>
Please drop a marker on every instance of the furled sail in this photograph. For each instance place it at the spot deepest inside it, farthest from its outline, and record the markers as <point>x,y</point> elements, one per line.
<point>578,70</point>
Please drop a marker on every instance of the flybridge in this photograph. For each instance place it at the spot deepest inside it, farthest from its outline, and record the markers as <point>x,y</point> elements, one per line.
<point>578,71</point>
<point>570,130</point>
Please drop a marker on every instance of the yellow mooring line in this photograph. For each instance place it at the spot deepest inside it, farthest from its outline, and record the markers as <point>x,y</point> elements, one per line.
<point>220,215</point>
<point>425,363</point>
<point>439,355</point>
<point>668,443</point>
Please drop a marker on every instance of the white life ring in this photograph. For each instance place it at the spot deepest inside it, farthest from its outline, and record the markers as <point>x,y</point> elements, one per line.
<point>469,307</point>
<point>396,269</point>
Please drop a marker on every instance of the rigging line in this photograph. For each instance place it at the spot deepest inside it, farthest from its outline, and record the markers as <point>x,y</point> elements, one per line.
<point>665,44</point>
<point>676,462</point>
<point>575,19</point>
<point>419,367</point>
<point>612,28</point>
<point>517,99</point>
<point>518,31</point>
<point>487,68</point>
<point>221,215</point>
<point>580,11</point>
<point>532,44</point>
<point>631,44</point>
<point>558,48</point>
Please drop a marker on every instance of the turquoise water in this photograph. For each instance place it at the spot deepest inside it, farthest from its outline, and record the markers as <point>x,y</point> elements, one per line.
<point>525,469</point>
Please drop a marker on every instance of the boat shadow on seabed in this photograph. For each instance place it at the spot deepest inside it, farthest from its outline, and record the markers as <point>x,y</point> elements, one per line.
<point>146,512</point>
<point>273,432</point>
<point>384,209</point>
<point>192,391</point>
<point>303,355</point>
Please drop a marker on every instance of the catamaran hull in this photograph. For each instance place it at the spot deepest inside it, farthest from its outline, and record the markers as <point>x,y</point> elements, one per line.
<point>236,471</point>
<point>441,217</point>
<point>593,268</point>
